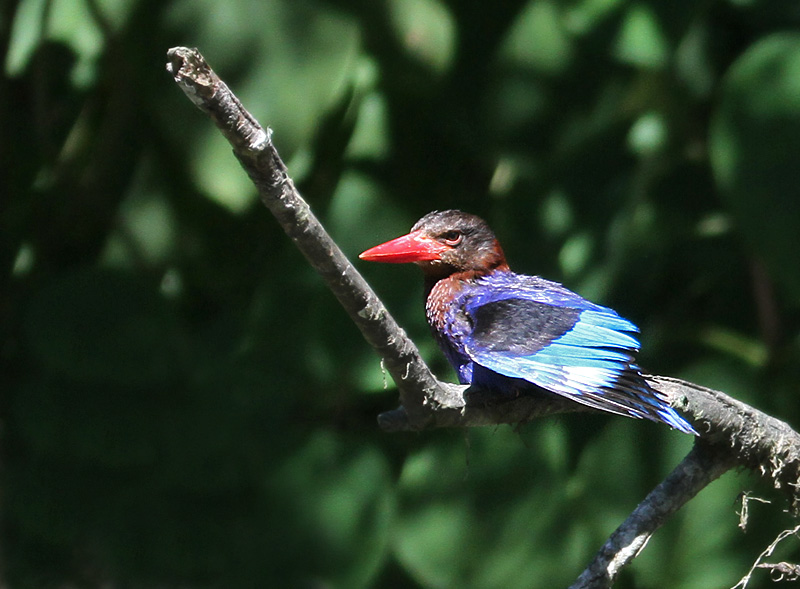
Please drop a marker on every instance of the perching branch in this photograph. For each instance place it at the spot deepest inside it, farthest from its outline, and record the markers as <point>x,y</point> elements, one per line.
<point>758,441</point>
<point>733,433</point>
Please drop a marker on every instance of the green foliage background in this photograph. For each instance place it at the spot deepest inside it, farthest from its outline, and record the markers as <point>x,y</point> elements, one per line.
<point>182,401</point>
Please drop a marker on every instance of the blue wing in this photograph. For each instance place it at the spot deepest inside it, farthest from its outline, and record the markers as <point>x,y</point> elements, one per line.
<point>538,331</point>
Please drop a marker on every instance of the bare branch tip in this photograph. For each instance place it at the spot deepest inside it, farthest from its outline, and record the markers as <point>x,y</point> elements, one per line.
<point>191,72</point>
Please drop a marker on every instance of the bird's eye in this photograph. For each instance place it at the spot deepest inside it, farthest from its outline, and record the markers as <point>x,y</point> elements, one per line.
<point>452,238</point>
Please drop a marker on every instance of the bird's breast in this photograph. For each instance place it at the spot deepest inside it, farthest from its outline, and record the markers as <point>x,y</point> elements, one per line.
<point>450,323</point>
<point>444,311</point>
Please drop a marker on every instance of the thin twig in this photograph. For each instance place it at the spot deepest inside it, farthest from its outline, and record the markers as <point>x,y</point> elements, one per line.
<point>742,584</point>
<point>744,514</point>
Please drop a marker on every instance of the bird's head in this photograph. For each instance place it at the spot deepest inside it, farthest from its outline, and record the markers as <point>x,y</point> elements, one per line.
<point>442,243</point>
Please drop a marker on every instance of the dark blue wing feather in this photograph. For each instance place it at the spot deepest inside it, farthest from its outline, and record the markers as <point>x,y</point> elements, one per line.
<point>528,328</point>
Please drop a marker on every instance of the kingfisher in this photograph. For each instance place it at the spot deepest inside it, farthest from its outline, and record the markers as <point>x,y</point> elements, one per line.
<point>511,332</point>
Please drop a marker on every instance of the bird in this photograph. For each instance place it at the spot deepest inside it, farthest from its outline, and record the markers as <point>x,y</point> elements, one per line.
<point>513,333</point>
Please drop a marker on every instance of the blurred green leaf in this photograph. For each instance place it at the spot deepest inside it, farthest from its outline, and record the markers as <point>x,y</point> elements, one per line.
<point>648,134</point>
<point>538,40</point>
<point>641,41</point>
<point>426,29</point>
<point>334,526</point>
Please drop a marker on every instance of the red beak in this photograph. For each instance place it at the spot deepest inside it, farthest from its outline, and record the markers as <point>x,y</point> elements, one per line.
<point>414,247</point>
